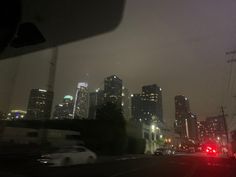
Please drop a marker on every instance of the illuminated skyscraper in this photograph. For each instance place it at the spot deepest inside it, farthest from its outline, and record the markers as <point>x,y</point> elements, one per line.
<point>136,107</point>
<point>152,103</point>
<point>182,111</point>
<point>192,127</point>
<point>113,90</point>
<point>81,106</point>
<point>216,128</point>
<point>202,130</point>
<point>126,103</point>
<point>40,103</point>
<point>64,110</point>
<point>96,99</point>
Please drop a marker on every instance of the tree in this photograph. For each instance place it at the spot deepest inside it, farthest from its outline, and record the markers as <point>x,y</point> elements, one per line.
<point>111,112</point>
<point>113,128</point>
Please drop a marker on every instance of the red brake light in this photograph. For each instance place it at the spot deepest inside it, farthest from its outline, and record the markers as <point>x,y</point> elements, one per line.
<point>214,150</point>
<point>207,150</point>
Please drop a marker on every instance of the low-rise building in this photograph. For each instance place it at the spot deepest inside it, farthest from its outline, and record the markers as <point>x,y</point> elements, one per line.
<point>16,114</point>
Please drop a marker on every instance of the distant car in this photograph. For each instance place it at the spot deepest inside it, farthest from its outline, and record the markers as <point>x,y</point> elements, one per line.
<point>164,151</point>
<point>211,151</point>
<point>69,156</point>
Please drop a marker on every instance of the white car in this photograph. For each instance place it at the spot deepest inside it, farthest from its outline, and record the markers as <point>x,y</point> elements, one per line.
<point>69,156</point>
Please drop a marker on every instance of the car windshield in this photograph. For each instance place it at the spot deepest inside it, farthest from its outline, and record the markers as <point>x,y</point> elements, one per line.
<point>144,87</point>
<point>64,150</point>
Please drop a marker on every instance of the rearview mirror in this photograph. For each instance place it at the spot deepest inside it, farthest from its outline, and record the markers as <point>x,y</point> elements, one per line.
<point>27,26</point>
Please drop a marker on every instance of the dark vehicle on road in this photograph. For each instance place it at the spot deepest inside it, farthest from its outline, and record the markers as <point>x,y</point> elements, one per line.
<point>164,151</point>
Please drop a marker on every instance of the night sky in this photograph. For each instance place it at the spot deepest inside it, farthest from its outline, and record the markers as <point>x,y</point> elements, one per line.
<point>179,45</point>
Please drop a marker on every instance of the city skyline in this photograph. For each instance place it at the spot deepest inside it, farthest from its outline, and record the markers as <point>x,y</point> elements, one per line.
<point>123,97</point>
<point>118,88</point>
<point>182,49</point>
<point>91,90</point>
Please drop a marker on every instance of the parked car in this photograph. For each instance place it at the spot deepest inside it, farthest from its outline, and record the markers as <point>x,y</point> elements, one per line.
<point>164,151</point>
<point>69,156</point>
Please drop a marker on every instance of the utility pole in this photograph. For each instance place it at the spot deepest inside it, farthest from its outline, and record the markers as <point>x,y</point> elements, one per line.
<point>231,81</point>
<point>50,88</point>
<point>52,69</point>
<point>225,124</point>
<point>230,61</point>
<point>229,93</point>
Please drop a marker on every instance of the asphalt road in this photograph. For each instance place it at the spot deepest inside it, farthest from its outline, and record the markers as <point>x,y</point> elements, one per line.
<point>145,166</point>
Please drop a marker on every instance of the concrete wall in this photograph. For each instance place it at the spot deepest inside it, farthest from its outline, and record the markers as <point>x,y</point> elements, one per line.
<point>55,137</point>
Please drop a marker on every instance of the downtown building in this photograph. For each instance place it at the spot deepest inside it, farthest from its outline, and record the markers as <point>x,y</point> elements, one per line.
<point>96,99</point>
<point>126,103</point>
<point>151,105</point>
<point>16,114</point>
<point>136,107</point>
<point>64,110</point>
<point>113,90</point>
<point>202,131</point>
<point>147,106</point>
<point>213,128</point>
<point>116,93</point>
<point>216,129</point>
<point>185,121</point>
<point>81,104</point>
<point>192,130</point>
<point>39,104</point>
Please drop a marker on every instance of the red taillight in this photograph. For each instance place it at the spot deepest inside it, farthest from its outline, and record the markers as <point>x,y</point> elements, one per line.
<point>214,150</point>
<point>207,150</point>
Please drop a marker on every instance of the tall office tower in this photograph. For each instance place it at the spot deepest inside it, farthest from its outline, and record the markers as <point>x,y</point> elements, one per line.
<point>182,111</point>
<point>64,110</point>
<point>136,107</point>
<point>202,131</point>
<point>152,103</point>
<point>113,90</point>
<point>96,99</point>
<point>126,103</point>
<point>81,105</point>
<point>39,105</point>
<point>192,127</point>
<point>216,128</point>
